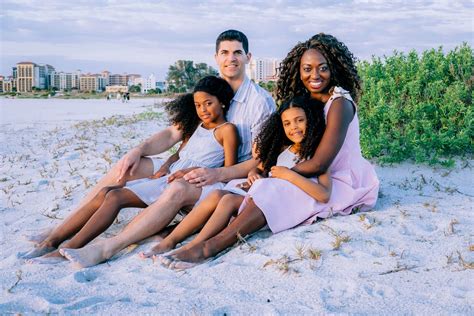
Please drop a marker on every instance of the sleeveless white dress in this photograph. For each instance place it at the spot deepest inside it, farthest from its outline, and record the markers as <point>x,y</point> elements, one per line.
<point>202,150</point>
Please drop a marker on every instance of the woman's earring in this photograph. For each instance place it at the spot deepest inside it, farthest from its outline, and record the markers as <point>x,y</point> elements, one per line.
<point>223,106</point>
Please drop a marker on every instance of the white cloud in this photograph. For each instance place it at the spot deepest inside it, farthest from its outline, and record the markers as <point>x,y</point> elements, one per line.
<point>157,33</point>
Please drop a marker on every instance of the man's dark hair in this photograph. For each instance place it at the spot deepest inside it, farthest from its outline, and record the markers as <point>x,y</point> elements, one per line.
<point>233,35</point>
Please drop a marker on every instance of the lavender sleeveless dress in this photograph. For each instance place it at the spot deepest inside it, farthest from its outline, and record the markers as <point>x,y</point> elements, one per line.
<point>202,150</point>
<point>285,159</point>
<point>354,185</point>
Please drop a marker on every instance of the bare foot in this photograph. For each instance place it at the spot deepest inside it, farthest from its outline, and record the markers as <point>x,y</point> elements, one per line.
<point>50,258</point>
<point>38,237</point>
<point>160,248</point>
<point>194,254</point>
<point>35,252</point>
<point>87,256</point>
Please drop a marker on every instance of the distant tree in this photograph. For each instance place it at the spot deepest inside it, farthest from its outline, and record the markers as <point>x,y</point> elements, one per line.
<point>184,75</point>
<point>135,88</point>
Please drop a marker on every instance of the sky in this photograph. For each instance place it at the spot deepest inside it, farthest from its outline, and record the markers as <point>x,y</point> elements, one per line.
<point>147,36</point>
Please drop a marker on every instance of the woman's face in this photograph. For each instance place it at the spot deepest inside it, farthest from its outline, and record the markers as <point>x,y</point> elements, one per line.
<point>315,73</point>
<point>294,123</point>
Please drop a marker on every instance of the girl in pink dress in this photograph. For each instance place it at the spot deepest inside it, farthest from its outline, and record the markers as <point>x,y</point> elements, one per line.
<point>324,69</point>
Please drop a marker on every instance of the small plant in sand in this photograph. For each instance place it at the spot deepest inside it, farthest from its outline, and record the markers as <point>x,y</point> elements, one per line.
<point>368,222</point>
<point>282,264</point>
<point>450,230</point>
<point>465,264</point>
<point>106,157</point>
<point>86,182</point>
<point>72,170</point>
<point>339,241</point>
<point>243,241</point>
<point>18,274</point>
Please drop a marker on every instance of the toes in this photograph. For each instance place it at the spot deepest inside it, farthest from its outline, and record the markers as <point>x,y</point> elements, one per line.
<point>146,254</point>
<point>178,265</point>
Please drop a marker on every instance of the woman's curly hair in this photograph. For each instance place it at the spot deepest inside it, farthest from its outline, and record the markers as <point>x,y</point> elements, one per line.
<point>182,113</point>
<point>272,138</point>
<point>340,60</point>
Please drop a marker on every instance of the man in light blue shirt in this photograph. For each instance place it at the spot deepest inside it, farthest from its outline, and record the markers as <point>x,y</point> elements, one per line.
<point>250,107</point>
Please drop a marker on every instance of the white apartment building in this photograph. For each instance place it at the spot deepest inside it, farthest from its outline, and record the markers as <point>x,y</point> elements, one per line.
<point>65,80</point>
<point>263,69</point>
<point>148,83</point>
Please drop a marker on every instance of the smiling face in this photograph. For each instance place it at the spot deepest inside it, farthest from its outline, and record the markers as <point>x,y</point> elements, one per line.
<point>231,59</point>
<point>208,108</point>
<point>315,74</point>
<point>294,123</point>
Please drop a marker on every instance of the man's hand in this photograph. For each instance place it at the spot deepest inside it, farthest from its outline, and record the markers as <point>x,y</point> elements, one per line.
<point>179,174</point>
<point>131,160</point>
<point>282,173</point>
<point>202,176</point>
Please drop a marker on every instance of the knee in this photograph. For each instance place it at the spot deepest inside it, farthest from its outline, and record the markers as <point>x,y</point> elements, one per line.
<point>233,200</point>
<point>114,196</point>
<point>103,192</point>
<point>217,194</point>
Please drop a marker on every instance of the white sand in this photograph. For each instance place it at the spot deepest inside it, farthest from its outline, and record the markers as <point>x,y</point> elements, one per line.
<point>408,256</point>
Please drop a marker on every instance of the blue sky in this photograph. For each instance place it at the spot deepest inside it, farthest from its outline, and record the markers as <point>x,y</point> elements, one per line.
<point>147,36</point>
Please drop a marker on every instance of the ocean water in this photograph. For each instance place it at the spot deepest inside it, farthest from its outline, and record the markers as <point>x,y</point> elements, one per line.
<point>20,113</point>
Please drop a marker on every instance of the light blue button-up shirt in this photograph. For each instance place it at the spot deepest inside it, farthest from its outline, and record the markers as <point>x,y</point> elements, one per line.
<point>249,109</point>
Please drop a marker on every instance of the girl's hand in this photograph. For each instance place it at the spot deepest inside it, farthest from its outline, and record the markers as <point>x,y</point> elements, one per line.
<point>179,174</point>
<point>164,170</point>
<point>281,173</point>
<point>253,176</point>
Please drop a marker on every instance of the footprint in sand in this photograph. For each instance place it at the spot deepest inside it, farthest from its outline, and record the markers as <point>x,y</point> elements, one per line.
<point>85,276</point>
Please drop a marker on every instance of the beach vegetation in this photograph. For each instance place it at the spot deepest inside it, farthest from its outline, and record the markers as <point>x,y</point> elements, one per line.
<point>184,74</point>
<point>418,106</point>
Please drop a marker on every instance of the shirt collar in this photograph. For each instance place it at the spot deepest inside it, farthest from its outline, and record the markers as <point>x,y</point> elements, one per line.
<point>241,92</point>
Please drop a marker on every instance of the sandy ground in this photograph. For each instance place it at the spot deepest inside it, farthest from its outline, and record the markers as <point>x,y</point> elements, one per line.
<point>413,254</point>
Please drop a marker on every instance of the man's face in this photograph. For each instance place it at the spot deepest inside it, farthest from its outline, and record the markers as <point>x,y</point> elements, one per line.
<point>231,59</point>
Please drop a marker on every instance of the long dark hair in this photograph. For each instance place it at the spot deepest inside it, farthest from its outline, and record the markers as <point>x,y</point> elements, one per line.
<point>272,138</point>
<point>340,60</point>
<point>182,112</point>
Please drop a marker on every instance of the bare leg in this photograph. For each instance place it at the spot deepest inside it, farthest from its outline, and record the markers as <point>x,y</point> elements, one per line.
<point>248,221</point>
<point>74,222</point>
<point>153,219</point>
<point>69,226</point>
<point>190,224</point>
<point>114,201</point>
<point>227,207</point>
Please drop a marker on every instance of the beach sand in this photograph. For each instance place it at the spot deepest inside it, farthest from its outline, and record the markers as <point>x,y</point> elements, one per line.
<point>413,254</point>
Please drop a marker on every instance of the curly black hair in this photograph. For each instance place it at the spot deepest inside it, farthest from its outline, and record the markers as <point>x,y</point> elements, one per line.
<point>182,113</point>
<point>340,60</point>
<point>272,138</point>
<point>217,87</point>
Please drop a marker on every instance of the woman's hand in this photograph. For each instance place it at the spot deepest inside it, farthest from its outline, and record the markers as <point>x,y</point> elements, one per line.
<point>282,173</point>
<point>179,174</point>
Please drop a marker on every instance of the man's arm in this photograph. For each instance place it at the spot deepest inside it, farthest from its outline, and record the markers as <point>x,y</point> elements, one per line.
<point>206,176</point>
<point>154,145</point>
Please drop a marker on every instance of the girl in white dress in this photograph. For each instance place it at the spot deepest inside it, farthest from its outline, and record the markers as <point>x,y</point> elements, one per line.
<point>291,133</point>
<point>213,143</point>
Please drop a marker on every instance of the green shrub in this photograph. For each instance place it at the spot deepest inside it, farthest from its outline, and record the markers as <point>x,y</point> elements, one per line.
<point>418,107</point>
